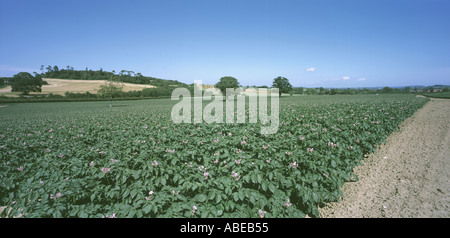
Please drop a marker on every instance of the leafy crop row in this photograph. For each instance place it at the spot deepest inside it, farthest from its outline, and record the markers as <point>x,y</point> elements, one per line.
<point>60,160</point>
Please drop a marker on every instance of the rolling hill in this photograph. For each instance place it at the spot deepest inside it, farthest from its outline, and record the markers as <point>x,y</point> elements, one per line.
<point>60,86</point>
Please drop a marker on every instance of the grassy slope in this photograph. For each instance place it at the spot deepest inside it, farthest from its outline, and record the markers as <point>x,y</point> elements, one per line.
<point>60,86</point>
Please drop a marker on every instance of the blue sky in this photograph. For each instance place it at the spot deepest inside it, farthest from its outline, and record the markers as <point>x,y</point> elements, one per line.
<point>312,43</point>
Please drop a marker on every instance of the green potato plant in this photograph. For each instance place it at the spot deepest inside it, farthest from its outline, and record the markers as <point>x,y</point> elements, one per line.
<point>89,160</point>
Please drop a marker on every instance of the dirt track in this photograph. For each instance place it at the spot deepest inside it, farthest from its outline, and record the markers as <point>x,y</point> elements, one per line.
<point>406,177</point>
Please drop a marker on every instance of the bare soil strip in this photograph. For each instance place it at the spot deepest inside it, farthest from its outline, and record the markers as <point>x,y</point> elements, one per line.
<point>406,177</point>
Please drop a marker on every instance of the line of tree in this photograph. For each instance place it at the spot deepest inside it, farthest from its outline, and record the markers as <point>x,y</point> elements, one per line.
<point>25,82</point>
<point>4,81</point>
<point>333,91</point>
<point>118,93</point>
<point>285,87</point>
<point>145,93</point>
<point>126,76</point>
<point>280,82</point>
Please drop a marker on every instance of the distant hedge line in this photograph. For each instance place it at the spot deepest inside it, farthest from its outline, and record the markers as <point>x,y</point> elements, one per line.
<point>438,95</point>
<point>65,99</point>
<point>146,93</point>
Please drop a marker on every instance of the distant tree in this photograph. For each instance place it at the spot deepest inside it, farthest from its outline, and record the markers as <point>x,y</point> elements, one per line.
<point>298,90</point>
<point>122,73</point>
<point>282,84</point>
<point>49,69</point>
<point>227,82</point>
<point>39,77</point>
<point>110,89</point>
<point>445,90</point>
<point>25,82</point>
<point>140,78</point>
<point>386,90</point>
<point>321,90</point>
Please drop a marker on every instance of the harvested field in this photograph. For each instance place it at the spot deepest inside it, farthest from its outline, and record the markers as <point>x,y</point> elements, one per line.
<point>60,86</point>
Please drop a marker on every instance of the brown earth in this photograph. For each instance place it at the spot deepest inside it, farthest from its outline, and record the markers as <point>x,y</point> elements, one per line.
<point>406,177</point>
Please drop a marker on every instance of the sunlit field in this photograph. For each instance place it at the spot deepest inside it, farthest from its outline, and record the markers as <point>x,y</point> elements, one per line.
<point>85,159</point>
